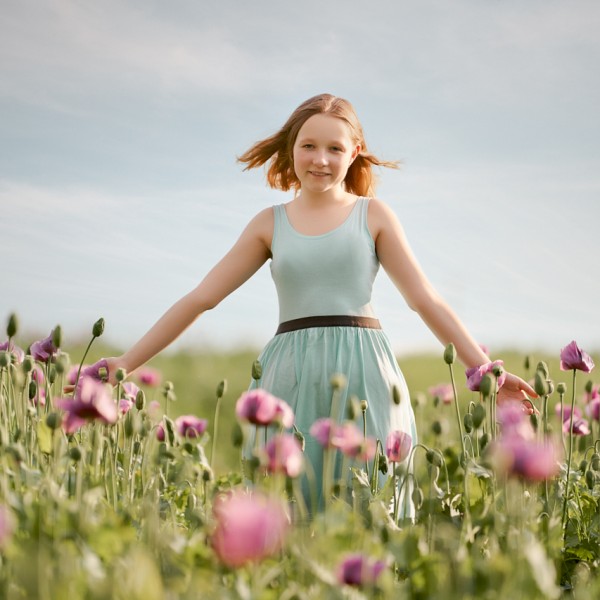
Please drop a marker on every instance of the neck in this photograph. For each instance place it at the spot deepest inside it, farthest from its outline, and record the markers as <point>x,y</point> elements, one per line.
<point>336,196</point>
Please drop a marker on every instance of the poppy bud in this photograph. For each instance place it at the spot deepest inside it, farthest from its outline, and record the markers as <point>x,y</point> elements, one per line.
<point>487,385</point>
<point>256,370</point>
<point>338,381</point>
<point>222,388</point>
<point>237,435</point>
<point>352,408</point>
<point>98,328</point>
<point>450,354</point>
<point>583,465</point>
<point>543,367</point>
<point>53,420</point>
<point>561,388</point>
<point>364,405</point>
<point>540,384</point>
<point>27,364</point>
<point>590,479</point>
<point>433,458</point>
<point>12,326</point>
<point>526,363</point>
<point>589,386</point>
<point>436,428</point>
<point>32,389</point>
<point>121,374</point>
<point>140,400</point>
<point>468,422</point>
<point>4,359</point>
<point>57,336</point>
<point>478,415</point>
<point>382,464</point>
<point>484,440</point>
<point>75,454</point>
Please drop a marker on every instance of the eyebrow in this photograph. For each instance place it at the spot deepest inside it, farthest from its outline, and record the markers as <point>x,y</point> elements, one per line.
<point>330,143</point>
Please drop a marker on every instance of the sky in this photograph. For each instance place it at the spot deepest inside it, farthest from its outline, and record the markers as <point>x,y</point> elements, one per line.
<point>121,121</point>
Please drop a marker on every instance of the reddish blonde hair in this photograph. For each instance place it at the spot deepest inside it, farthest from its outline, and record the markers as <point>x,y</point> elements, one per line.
<point>277,149</point>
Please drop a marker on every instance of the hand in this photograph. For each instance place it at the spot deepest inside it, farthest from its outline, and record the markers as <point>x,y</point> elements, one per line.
<point>516,389</point>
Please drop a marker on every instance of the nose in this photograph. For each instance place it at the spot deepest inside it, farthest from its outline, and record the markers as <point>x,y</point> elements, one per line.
<point>319,158</point>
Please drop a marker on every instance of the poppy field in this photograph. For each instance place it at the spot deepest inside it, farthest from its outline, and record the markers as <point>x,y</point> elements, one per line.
<point>116,492</point>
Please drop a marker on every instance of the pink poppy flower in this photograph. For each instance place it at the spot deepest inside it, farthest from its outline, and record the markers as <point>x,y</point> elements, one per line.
<point>190,426</point>
<point>359,570</point>
<point>593,409</point>
<point>514,420</point>
<point>348,438</point>
<point>44,350</point>
<point>528,459</point>
<point>94,371</point>
<point>443,391</point>
<point>160,432</point>
<point>129,390</point>
<point>125,405</point>
<point>580,427</point>
<point>323,430</point>
<point>18,355</point>
<point>566,410</point>
<point>261,408</point>
<point>37,375</point>
<point>397,446</point>
<point>149,376</point>
<point>284,455</point>
<point>249,527</point>
<point>92,401</point>
<point>475,375</point>
<point>72,374</point>
<point>572,357</point>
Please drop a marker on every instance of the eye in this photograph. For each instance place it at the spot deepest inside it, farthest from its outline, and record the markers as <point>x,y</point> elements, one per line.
<point>309,146</point>
<point>337,149</point>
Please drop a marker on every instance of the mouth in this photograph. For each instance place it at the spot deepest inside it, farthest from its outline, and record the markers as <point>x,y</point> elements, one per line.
<point>319,174</point>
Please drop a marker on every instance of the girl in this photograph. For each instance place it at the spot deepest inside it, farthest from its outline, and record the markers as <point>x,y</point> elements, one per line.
<point>325,246</point>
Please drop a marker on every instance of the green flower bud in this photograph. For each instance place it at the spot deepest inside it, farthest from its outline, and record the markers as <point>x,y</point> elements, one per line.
<point>128,425</point>
<point>382,464</point>
<point>28,363</point>
<point>561,388</point>
<point>484,440</point>
<point>550,386</point>
<point>417,497</point>
<point>103,373</point>
<point>364,405</point>
<point>498,370</point>
<point>436,428</point>
<point>140,400</point>
<point>75,454</point>
<point>13,325</point>
<point>589,386</point>
<point>595,463</point>
<point>237,435</point>
<point>526,363</point>
<point>121,374</point>
<point>396,395</point>
<point>169,429</point>
<point>32,389</point>
<point>98,327</point>
<point>478,415</point>
<point>4,359</point>
<point>487,386</point>
<point>137,446</point>
<point>256,370</point>
<point>450,354</point>
<point>62,363</point>
<point>590,479</point>
<point>57,336</point>
<point>352,408</point>
<point>52,374</point>
<point>338,381</point>
<point>533,419</point>
<point>583,465</point>
<point>53,420</point>
<point>207,474</point>
<point>468,422</point>
<point>543,367</point>
<point>222,388</point>
<point>433,458</point>
<point>540,384</point>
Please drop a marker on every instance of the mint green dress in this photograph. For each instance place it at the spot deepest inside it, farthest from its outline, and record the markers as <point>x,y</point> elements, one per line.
<point>332,274</point>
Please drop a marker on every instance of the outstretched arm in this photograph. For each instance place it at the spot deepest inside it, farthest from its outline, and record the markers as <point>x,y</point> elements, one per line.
<point>402,267</point>
<point>248,254</point>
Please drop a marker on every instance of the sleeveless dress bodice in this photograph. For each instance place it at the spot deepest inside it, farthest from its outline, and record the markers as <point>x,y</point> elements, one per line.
<point>328,274</point>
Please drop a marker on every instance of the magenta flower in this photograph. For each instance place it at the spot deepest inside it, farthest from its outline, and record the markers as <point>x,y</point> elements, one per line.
<point>284,455</point>
<point>359,570</point>
<point>189,426</point>
<point>527,459</point>
<point>72,374</point>
<point>443,391</point>
<point>580,427</point>
<point>44,350</point>
<point>92,401</point>
<point>7,526</point>
<point>17,353</point>
<point>573,358</point>
<point>93,371</point>
<point>397,446</point>
<point>348,438</point>
<point>261,408</point>
<point>249,527</point>
<point>323,430</point>
<point>566,411</point>
<point>125,405</point>
<point>475,375</point>
<point>129,390</point>
<point>514,420</point>
<point>160,432</point>
<point>149,376</point>
<point>593,409</point>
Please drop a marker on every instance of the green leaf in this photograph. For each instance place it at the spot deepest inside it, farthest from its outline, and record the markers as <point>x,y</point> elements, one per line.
<point>44,436</point>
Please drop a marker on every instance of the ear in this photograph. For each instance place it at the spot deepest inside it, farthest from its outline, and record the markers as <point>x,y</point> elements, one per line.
<point>355,152</point>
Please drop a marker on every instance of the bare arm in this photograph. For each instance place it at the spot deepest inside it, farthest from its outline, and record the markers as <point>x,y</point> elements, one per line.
<point>403,269</point>
<point>247,255</point>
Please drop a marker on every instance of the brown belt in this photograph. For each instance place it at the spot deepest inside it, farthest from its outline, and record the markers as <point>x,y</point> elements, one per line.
<point>328,321</point>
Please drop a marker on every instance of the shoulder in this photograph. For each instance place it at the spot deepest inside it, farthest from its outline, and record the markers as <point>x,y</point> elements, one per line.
<point>381,217</point>
<point>261,226</point>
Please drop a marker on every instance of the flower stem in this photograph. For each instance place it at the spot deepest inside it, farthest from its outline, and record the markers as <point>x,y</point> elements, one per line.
<point>569,458</point>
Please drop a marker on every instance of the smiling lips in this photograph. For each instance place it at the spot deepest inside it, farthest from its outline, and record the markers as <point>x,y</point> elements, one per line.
<point>319,174</point>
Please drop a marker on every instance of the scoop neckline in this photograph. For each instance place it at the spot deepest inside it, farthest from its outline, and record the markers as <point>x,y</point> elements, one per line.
<point>331,231</point>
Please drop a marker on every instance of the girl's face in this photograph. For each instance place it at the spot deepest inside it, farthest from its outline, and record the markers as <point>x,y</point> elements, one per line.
<point>323,152</point>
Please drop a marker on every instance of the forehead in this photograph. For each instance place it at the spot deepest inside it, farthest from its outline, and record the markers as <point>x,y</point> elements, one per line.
<point>324,126</point>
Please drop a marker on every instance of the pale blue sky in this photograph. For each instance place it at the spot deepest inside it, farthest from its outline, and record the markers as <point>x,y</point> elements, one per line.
<point>120,122</point>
